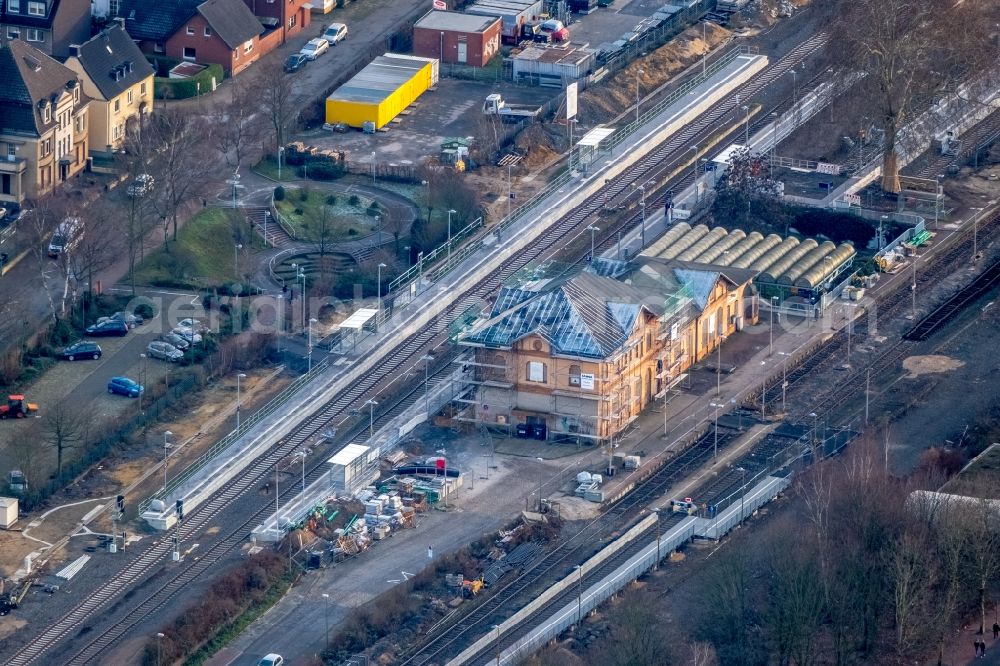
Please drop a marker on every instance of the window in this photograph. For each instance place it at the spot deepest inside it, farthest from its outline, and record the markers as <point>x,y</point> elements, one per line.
<point>190,31</point>
<point>118,105</point>
<point>574,375</point>
<point>248,46</point>
<point>76,93</point>
<point>14,6</point>
<point>291,21</point>
<point>46,147</point>
<point>35,35</point>
<point>46,113</point>
<point>11,152</point>
<point>115,7</point>
<point>189,53</point>
<point>674,331</point>
<point>142,88</point>
<point>78,124</point>
<point>130,97</point>
<point>536,371</point>
<point>117,132</point>
<point>13,33</point>
<point>158,47</point>
<point>208,31</point>
<point>236,54</point>
<point>36,8</point>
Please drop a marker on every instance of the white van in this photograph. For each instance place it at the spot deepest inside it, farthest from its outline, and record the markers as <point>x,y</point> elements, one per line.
<point>335,33</point>
<point>66,236</point>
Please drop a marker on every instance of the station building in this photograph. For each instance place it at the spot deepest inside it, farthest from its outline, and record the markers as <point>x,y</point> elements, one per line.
<point>580,356</point>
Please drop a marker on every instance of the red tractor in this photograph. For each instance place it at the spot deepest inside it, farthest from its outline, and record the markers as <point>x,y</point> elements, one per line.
<point>17,408</point>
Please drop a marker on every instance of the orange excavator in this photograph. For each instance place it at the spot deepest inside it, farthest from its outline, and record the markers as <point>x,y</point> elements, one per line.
<point>17,408</point>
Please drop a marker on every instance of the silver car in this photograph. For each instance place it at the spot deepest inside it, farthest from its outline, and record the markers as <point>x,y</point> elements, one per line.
<point>163,350</point>
<point>175,340</point>
<point>187,333</point>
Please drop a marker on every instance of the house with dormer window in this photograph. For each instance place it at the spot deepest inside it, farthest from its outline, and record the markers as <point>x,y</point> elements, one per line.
<point>119,81</point>
<point>48,25</point>
<point>43,123</point>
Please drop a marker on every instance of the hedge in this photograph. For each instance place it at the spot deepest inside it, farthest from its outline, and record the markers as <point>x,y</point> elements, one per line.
<point>184,88</point>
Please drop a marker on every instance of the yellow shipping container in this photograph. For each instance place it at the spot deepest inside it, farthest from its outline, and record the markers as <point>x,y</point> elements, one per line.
<point>380,91</point>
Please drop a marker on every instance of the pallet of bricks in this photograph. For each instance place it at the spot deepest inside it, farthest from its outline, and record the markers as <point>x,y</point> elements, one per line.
<point>386,511</point>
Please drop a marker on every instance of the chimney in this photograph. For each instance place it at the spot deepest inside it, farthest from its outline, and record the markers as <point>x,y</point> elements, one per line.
<point>74,50</point>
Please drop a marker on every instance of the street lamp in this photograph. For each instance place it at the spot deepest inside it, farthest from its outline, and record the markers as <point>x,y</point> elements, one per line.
<point>815,425</point>
<point>593,230</point>
<point>371,417</point>
<point>451,211</point>
<point>770,327</point>
<point>795,87</point>
<point>715,448</point>
<point>508,189</point>
<point>281,150</point>
<point>718,368</point>
<point>302,275</point>
<point>311,322</point>
<point>937,198</point>
<point>497,628</point>
<point>743,489</point>
<point>642,207</point>
<point>746,109</point>
<point>166,448</point>
<point>267,214</point>
<point>426,358</point>
<point>637,73</point>
<point>373,167</point>
<point>142,370</point>
<point>302,454</point>
<point>784,378</point>
<point>378,310</point>
<point>541,481</point>
<point>238,400</point>
<point>704,38</point>
<point>774,143</point>
<point>326,612</point>
<point>236,260</point>
<point>159,647</point>
<point>579,593</point>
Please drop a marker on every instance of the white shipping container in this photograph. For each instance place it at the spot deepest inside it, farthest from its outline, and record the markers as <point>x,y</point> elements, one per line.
<point>8,512</point>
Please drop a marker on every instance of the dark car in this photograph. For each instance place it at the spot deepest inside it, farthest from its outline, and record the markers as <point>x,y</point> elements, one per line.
<point>107,328</point>
<point>124,386</point>
<point>175,340</point>
<point>82,349</point>
<point>295,62</point>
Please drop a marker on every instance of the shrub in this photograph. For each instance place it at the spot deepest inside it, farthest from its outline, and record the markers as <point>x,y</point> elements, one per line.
<point>352,232</point>
<point>145,310</point>
<point>299,211</point>
<point>304,194</point>
<point>279,193</point>
<point>331,200</point>
<point>324,171</point>
<point>354,200</point>
<point>373,210</point>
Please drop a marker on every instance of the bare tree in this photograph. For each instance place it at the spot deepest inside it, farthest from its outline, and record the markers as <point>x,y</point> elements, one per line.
<point>63,428</point>
<point>98,248</point>
<point>321,224</point>
<point>237,125</point>
<point>27,455</point>
<point>40,223</point>
<point>982,529</point>
<point>910,52</point>
<point>273,91</point>
<point>395,223</point>
<point>179,168</point>
<point>136,203</point>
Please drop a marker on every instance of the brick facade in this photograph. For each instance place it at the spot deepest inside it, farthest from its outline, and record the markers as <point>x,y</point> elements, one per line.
<point>192,43</point>
<point>446,45</point>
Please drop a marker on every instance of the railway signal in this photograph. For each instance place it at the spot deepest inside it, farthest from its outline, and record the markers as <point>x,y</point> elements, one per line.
<point>120,504</point>
<point>180,510</point>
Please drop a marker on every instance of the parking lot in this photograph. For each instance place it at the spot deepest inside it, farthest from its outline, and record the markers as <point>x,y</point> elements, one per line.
<point>82,384</point>
<point>454,109</point>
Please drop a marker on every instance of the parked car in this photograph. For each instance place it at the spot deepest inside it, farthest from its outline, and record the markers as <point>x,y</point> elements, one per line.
<point>295,62</point>
<point>175,340</point>
<point>194,324</point>
<point>126,318</point>
<point>271,660</point>
<point>124,386</point>
<point>141,186</point>
<point>314,48</point>
<point>335,33</point>
<point>107,328</point>
<point>81,349</point>
<point>187,334</point>
<point>164,351</point>
<point>65,237</point>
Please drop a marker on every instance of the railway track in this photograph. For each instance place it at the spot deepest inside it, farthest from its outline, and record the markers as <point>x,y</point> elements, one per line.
<point>574,550</point>
<point>402,358</point>
<point>981,134</point>
<point>720,491</point>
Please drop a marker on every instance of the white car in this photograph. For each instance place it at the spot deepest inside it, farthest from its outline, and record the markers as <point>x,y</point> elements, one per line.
<point>271,660</point>
<point>334,33</point>
<point>314,48</point>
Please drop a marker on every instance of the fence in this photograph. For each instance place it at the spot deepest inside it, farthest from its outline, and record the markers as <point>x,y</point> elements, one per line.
<point>245,426</point>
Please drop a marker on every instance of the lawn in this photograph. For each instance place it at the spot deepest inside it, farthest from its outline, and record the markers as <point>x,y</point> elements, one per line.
<point>268,167</point>
<point>346,221</point>
<point>203,255</point>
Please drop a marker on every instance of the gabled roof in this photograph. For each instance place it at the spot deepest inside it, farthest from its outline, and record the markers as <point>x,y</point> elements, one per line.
<point>29,76</point>
<point>584,316</point>
<point>156,20</point>
<point>231,20</point>
<point>113,62</point>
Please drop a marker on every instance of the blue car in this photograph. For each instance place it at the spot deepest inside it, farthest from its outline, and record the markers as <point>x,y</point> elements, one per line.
<point>124,386</point>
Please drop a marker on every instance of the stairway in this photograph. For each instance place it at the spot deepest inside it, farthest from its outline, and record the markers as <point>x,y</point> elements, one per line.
<point>276,235</point>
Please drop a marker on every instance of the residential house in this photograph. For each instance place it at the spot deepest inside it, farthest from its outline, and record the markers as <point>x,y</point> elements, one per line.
<point>581,357</point>
<point>43,123</point>
<point>288,17</point>
<point>48,25</point>
<point>118,79</point>
<point>224,32</point>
